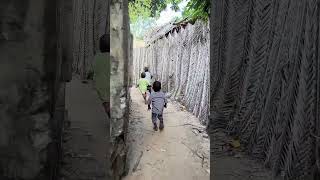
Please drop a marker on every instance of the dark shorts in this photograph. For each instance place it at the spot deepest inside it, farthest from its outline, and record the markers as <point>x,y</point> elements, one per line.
<point>155,117</point>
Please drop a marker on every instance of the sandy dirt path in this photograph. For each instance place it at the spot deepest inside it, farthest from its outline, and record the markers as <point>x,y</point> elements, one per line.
<point>180,151</point>
<point>86,139</point>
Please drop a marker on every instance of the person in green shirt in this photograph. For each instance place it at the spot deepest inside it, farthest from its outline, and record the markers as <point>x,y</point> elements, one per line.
<point>101,68</point>
<point>143,84</point>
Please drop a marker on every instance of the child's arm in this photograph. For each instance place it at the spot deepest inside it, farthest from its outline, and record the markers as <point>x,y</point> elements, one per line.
<point>149,102</point>
<point>165,102</point>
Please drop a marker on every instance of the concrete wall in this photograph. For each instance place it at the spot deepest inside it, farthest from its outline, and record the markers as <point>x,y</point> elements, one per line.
<point>40,42</point>
<point>181,62</point>
<point>91,20</point>
<point>121,56</point>
<point>31,88</point>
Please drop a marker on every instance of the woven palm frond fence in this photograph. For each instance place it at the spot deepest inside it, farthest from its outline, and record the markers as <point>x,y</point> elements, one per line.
<point>91,20</point>
<point>265,81</point>
<point>178,57</point>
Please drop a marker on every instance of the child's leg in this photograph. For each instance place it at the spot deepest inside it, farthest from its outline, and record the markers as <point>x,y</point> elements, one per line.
<point>160,117</point>
<point>145,98</point>
<point>144,95</point>
<point>154,121</point>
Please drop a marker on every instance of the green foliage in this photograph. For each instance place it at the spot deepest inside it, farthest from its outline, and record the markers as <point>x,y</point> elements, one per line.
<point>197,9</point>
<point>139,8</point>
<point>144,13</point>
<point>141,26</point>
<point>150,8</point>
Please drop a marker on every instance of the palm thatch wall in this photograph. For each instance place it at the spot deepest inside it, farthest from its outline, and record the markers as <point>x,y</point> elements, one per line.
<point>91,20</point>
<point>265,74</point>
<point>179,59</point>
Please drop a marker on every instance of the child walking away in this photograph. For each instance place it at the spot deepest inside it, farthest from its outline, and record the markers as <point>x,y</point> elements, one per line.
<point>148,77</point>
<point>143,84</point>
<point>158,101</point>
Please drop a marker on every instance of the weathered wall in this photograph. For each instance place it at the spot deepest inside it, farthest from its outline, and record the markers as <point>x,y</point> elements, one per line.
<point>121,44</point>
<point>91,21</point>
<point>265,80</point>
<point>31,100</point>
<point>38,42</point>
<point>181,62</point>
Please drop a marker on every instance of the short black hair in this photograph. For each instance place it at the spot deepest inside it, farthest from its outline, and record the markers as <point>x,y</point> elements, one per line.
<point>146,69</point>
<point>143,75</point>
<point>105,43</point>
<point>156,86</point>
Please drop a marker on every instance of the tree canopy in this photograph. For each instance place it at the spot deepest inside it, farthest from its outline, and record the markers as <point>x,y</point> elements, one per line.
<point>144,13</point>
<point>141,26</point>
<point>196,9</point>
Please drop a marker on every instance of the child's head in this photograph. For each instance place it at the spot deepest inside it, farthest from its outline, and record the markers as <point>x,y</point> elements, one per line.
<point>146,69</point>
<point>105,43</point>
<point>143,75</point>
<point>156,86</point>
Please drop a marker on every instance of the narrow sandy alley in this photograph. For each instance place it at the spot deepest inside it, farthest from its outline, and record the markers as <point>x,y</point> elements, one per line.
<point>180,151</point>
<point>85,141</point>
